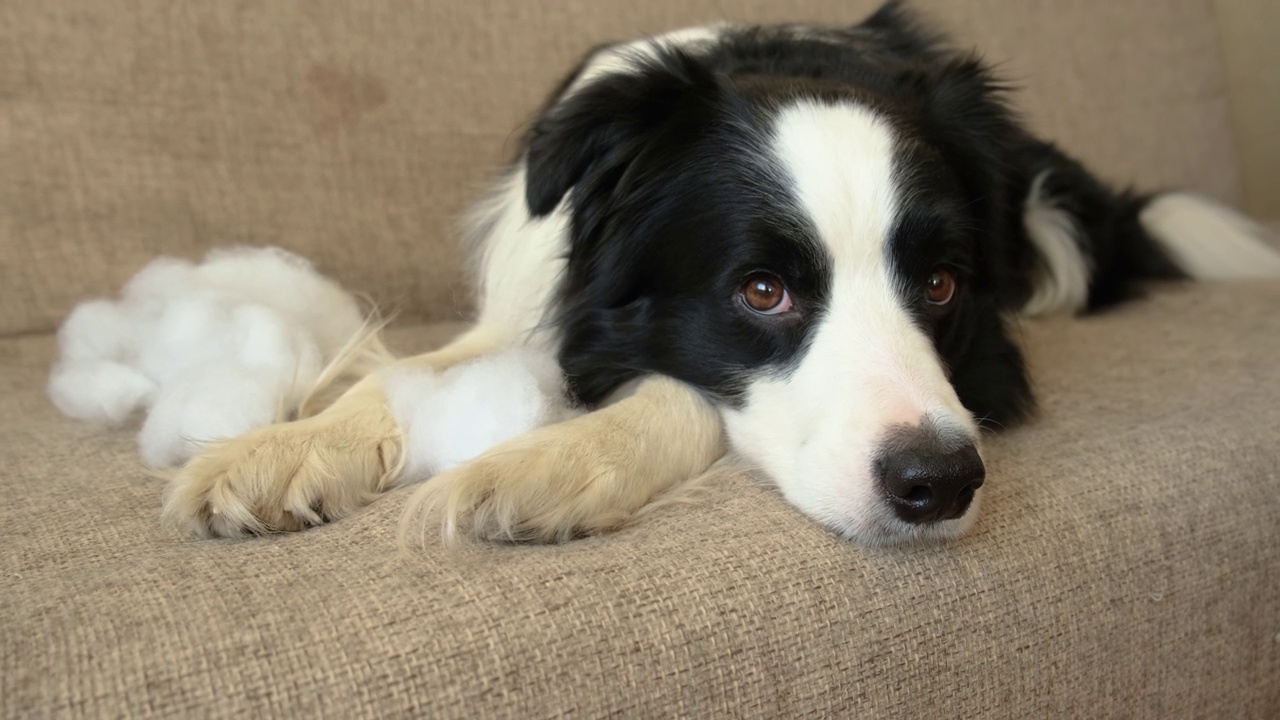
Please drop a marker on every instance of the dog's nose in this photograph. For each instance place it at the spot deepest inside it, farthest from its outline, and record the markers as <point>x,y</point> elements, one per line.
<point>929,483</point>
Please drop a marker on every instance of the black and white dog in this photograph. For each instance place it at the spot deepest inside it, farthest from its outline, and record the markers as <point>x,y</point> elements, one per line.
<point>806,241</point>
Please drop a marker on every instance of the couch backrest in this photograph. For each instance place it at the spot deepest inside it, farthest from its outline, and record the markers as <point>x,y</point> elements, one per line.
<point>355,132</point>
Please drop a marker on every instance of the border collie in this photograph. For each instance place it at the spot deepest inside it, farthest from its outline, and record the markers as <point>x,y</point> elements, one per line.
<point>804,243</point>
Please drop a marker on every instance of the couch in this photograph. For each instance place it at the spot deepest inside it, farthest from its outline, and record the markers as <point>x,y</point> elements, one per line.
<point>1127,563</point>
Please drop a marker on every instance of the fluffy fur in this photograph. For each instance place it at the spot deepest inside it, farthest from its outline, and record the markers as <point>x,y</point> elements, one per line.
<point>800,241</point>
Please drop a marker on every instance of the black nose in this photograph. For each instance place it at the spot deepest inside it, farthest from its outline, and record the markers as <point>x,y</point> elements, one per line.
<point>929,482</point>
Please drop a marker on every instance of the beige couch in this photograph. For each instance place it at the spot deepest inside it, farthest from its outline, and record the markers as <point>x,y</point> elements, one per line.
<point>1126,564</point>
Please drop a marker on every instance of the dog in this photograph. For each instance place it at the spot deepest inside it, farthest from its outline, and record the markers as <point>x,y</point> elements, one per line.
<point>802,243</point>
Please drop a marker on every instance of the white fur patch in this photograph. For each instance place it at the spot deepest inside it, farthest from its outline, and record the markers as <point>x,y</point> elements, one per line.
<point>868,367</point>
<point>451,417</point>
<point>1063,284</point>
<point>211,351</point>
<point>1207,240</point>
<point>519,259</point>
<point>626,57</point>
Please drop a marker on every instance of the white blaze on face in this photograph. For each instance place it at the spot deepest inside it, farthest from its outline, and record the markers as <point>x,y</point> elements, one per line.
<point>868,367</point>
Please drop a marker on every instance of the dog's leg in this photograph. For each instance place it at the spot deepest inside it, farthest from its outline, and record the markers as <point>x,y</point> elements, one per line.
<point>294,475</point>
<point>580,477</point>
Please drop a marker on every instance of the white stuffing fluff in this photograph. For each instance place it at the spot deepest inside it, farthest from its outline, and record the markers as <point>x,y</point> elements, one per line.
<point>211,351</point>
<point>451,417</point>
<point>215,350</point>
<point>207,403</point>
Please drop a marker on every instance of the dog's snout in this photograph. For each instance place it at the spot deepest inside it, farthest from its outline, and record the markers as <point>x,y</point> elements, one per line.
<point>927,482</point>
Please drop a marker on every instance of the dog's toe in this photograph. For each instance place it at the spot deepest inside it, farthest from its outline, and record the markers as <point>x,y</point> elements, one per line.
<point>282,478</point>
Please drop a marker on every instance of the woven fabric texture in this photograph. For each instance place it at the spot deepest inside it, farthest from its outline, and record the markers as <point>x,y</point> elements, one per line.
<point>1124,566</point>
<point>356,132</point>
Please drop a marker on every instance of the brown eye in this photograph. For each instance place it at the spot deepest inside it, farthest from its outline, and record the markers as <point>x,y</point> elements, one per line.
<point>765,294</point>
<point>940,288</point>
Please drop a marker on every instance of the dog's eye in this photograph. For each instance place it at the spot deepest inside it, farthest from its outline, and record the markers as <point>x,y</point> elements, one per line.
<point>765,294</point>
<point>940,288</point>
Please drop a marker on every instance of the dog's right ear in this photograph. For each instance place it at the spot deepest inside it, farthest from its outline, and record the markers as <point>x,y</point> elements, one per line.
<point>600,124</point>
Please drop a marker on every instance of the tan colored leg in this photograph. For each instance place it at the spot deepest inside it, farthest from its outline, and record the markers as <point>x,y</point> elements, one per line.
<point>583,476</point>
<point>294,475</point>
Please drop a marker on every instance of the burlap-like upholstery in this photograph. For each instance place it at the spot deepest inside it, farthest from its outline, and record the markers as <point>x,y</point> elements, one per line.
<point>354,131</point>
<point>1125,566</point>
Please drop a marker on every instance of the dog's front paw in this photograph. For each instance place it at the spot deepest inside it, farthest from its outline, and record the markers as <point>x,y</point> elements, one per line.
<point>554,484</point>
<point>286,477</point>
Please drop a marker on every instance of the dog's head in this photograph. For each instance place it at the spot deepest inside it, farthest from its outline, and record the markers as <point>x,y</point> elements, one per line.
<point>814,253</point>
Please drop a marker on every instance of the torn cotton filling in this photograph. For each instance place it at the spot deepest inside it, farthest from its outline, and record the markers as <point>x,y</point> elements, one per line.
<point>216,350</point>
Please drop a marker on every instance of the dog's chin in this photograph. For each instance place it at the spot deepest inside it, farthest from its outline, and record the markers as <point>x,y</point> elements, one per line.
<point>879,527</point>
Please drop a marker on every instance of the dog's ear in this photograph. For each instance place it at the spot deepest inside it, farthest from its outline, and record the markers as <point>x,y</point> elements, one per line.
<point>966,107</point>
<point>987,368</point>
<point>595,131</point>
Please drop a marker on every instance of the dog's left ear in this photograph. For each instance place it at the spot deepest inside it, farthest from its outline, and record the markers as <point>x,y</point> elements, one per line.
<point>966,107</point>
<point>593,133</point>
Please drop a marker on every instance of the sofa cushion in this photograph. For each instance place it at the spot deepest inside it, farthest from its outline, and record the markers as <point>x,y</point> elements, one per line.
<point>1124,566</point>
<point>354,133</point>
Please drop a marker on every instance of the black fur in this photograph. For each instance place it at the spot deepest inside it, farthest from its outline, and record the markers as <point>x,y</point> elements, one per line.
<point>674,202</point>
